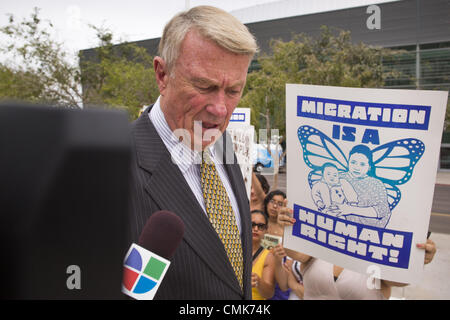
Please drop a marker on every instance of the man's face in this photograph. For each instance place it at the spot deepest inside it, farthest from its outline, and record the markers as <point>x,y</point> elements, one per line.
<point>205,87</point>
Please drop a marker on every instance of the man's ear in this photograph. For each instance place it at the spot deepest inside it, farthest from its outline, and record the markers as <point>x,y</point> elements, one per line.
<point>161,74</point>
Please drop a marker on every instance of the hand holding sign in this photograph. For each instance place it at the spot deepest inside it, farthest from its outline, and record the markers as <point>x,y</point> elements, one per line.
<point>430,250</point>
<point>285,216</point>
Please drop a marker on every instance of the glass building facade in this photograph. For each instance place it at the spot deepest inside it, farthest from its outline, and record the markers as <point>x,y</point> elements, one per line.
<point>425,67</point>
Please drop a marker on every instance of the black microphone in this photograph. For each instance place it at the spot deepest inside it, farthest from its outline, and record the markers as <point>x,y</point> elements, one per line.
<point>162,234</point>
<point>146,263</point>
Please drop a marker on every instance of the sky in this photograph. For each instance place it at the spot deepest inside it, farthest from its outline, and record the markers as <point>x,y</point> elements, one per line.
<point>129,20</point>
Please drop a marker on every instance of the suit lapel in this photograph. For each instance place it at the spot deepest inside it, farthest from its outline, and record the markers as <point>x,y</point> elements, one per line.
<point>169,189</point>
<point>225,145</point>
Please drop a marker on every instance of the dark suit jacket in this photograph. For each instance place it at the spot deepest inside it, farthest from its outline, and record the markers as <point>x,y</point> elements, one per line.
<point>200,268</point>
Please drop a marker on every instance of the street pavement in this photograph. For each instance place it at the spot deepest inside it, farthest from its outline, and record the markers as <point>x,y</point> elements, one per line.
<point>435,282</point>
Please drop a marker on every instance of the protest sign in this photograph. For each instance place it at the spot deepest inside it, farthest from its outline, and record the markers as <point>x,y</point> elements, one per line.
<point>240,117</point>
<point>242,134</point>
<point>361,175</point>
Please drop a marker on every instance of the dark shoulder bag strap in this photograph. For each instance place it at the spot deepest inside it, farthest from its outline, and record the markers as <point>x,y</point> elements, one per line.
<point>257,253</point>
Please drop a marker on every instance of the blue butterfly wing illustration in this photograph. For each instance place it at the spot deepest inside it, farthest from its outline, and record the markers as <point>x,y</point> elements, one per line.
<point>313,177</point>
<point>319,149</point>
<point>394,195</point>
<point>394,162</point>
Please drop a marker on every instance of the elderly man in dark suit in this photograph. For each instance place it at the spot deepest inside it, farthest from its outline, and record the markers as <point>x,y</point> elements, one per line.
<point>182,162</point>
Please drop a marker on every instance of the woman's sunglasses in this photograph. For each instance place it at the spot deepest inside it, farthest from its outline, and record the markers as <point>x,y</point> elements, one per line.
<point>260,226</point>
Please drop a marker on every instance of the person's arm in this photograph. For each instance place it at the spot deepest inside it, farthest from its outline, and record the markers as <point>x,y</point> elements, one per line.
<point>291,280</point>
<point>295,286</point>
<point>281,275</point>
<point>295,255</point>
<point>285,219</point>
<point>266,284</point>
<point>259,192</point>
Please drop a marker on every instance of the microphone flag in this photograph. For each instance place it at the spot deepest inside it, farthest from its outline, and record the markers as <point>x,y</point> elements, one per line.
<point>143,272</point>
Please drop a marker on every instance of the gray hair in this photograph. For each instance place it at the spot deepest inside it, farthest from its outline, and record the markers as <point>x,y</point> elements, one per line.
<point>213,24</point>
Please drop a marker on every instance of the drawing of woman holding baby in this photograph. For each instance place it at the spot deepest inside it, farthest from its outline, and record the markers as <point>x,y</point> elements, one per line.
<point>355,195</point>
<point>372,206</point>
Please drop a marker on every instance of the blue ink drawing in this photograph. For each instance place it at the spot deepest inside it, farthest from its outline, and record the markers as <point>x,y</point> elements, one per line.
<point>363,186</point>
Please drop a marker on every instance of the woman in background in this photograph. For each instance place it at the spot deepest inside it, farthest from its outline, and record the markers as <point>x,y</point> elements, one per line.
<point>263,269</point>
<point>274,201</point>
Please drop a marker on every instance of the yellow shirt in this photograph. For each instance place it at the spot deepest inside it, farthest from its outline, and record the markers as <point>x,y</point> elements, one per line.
<point>258,269</point>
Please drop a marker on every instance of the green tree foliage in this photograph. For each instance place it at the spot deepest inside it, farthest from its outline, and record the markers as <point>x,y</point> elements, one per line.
<point>115,76</point>
<point>20,85</point>
<point>42,71</point>
<point>119,76</point>
<point>326,60</point>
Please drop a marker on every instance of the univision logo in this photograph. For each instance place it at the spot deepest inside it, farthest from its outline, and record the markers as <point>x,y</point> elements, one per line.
<point>142,273</point>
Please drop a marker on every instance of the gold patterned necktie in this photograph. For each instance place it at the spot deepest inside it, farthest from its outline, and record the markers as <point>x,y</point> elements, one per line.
<point>221,214</point>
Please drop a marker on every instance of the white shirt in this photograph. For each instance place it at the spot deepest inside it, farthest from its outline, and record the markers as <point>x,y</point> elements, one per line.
<point>189,161</point>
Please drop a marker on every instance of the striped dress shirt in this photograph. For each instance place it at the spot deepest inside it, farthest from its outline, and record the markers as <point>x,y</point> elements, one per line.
<point>189,160</point>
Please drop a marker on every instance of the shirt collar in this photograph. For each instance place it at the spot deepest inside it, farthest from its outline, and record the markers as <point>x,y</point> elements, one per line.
<point>181,154</point>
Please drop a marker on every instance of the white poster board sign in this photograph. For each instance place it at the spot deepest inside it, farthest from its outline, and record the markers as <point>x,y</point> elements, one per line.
<point>361,175</point>
<point>242,134</point>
